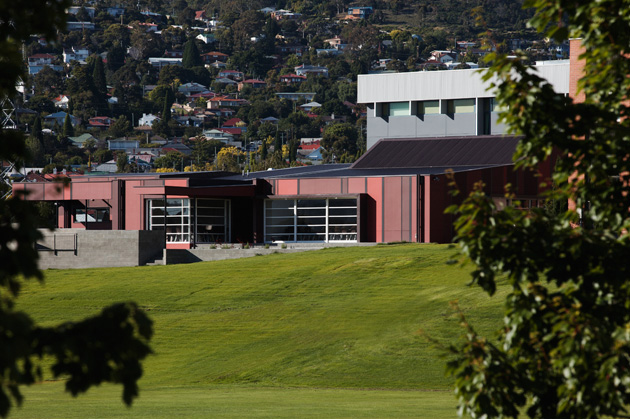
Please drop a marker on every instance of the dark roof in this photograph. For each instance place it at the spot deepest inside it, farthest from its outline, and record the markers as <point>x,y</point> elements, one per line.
<point>439,152</point>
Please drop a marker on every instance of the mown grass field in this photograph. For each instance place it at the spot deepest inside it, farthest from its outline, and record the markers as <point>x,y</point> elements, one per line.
<point>329,333</point>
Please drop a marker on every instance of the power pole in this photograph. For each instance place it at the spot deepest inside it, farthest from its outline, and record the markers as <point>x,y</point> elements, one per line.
<point>8,110</point>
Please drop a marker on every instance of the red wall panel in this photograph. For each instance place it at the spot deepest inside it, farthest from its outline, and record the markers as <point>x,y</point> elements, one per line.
<point>286,187</point>
<point>320,186</point>
<point>375,190</point>
<point>91,190</point>
<point>392,207</point>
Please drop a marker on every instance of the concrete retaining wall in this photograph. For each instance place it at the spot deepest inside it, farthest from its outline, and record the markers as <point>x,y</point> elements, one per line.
<point>175,256</point>
<point>74,249</point>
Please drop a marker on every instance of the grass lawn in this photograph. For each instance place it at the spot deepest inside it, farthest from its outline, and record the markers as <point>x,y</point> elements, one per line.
<point>334,333</point>
<point>230,401</point>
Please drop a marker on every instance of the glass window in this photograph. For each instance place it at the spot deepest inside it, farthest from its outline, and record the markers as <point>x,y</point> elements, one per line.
<point>399,109</point>
<point>428,107</point>
<point>460,106</point>
<point>321,220</point>
<point>177,221</point>
<point>212,220</point>
<point>92,215</point>
<point>494,106</point>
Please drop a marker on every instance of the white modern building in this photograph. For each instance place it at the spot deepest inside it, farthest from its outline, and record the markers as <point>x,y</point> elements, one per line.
<point>439,103</point>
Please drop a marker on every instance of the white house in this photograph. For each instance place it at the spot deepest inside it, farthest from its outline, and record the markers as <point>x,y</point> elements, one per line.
<point>304,70</point>
<point>159,62</point>
<point>61,101</point>
<point>75,54</point>
<point>147,120</point>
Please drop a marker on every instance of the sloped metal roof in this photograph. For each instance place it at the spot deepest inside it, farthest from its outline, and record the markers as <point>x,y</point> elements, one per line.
<point>439,152</point>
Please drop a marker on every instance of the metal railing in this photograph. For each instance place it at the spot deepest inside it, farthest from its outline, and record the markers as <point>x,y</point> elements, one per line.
<point>60,243</point>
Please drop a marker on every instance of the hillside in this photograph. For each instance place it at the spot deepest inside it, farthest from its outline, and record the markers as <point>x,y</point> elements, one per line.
<point>332,318</point>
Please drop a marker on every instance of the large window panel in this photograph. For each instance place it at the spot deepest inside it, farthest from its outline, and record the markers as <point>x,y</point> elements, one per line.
<point>190,220</point>
<point>311,220</point>
<point>428,107</point>
<point>212,220</point>
<point>176,222</point>
<point>399,109</point>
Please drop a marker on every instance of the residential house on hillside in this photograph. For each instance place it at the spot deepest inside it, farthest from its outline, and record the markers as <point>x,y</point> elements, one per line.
<point>41,59</point>
<point>79,54</point>
<point>285,15</point>
<point>215,134</point>
<point>173,54</point>
<point>73,10</point>
<point>115,11</point>
<point>220,112</point>
<point>360,12</point>
<point>231,74</point>
<point>296,96</point>
<point>225,101</point>
<point>148,27</point>
<point>316,155</point>
<point>80,140</point>
<point>61,101</point>
<point>292,79</point>
<point>297,49</point>
<point>307,107</point>
<point>328,51</point>
<point>147,119</point>
<point>80,26</point>
<point>122,144</point>
<point>37,62</point>
<point>226,81</point>
<point>201,16</point>
<point>218,64</point>
<point>210,57</point>
<point>159,62</point>
<point>100,122</point>
<point>59,118</point>
<point>442,56</point>
<point>255,84</point>
<point>270,120</point>
<point>233,123</point>
<point>188,89</point>
<point>203,95</point>
<point>465,45</point>
<point>304,70</point>
<point>206,38</point>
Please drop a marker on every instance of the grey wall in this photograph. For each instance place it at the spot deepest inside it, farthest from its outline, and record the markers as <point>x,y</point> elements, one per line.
<point>98,249</point>
<point>437,125</point>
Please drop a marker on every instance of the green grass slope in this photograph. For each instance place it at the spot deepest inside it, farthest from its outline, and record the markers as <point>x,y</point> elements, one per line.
<point>333,318</point>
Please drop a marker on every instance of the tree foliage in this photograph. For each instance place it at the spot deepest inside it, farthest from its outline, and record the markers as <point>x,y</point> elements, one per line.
<point>564,349</point>
<point>106,347</point>
<point>191,57</point>
<point>229,159</point>
<point>339,139</point>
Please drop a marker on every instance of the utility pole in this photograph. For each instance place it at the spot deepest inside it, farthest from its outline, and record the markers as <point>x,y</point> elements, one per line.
<point>8,109</point>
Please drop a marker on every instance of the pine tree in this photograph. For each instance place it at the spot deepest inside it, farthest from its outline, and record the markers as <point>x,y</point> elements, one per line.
<point>68,129</point>
<point>191,58</point>
<point>263,151</point>
<point>36,132</point>
<point>168,102</point>
<point>98,75</point>
<point>293,147</point>
<point>277,147</point>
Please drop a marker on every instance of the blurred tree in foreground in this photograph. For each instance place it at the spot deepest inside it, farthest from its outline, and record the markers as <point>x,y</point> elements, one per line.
<point>106,347</point>
<point>564,349</point>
